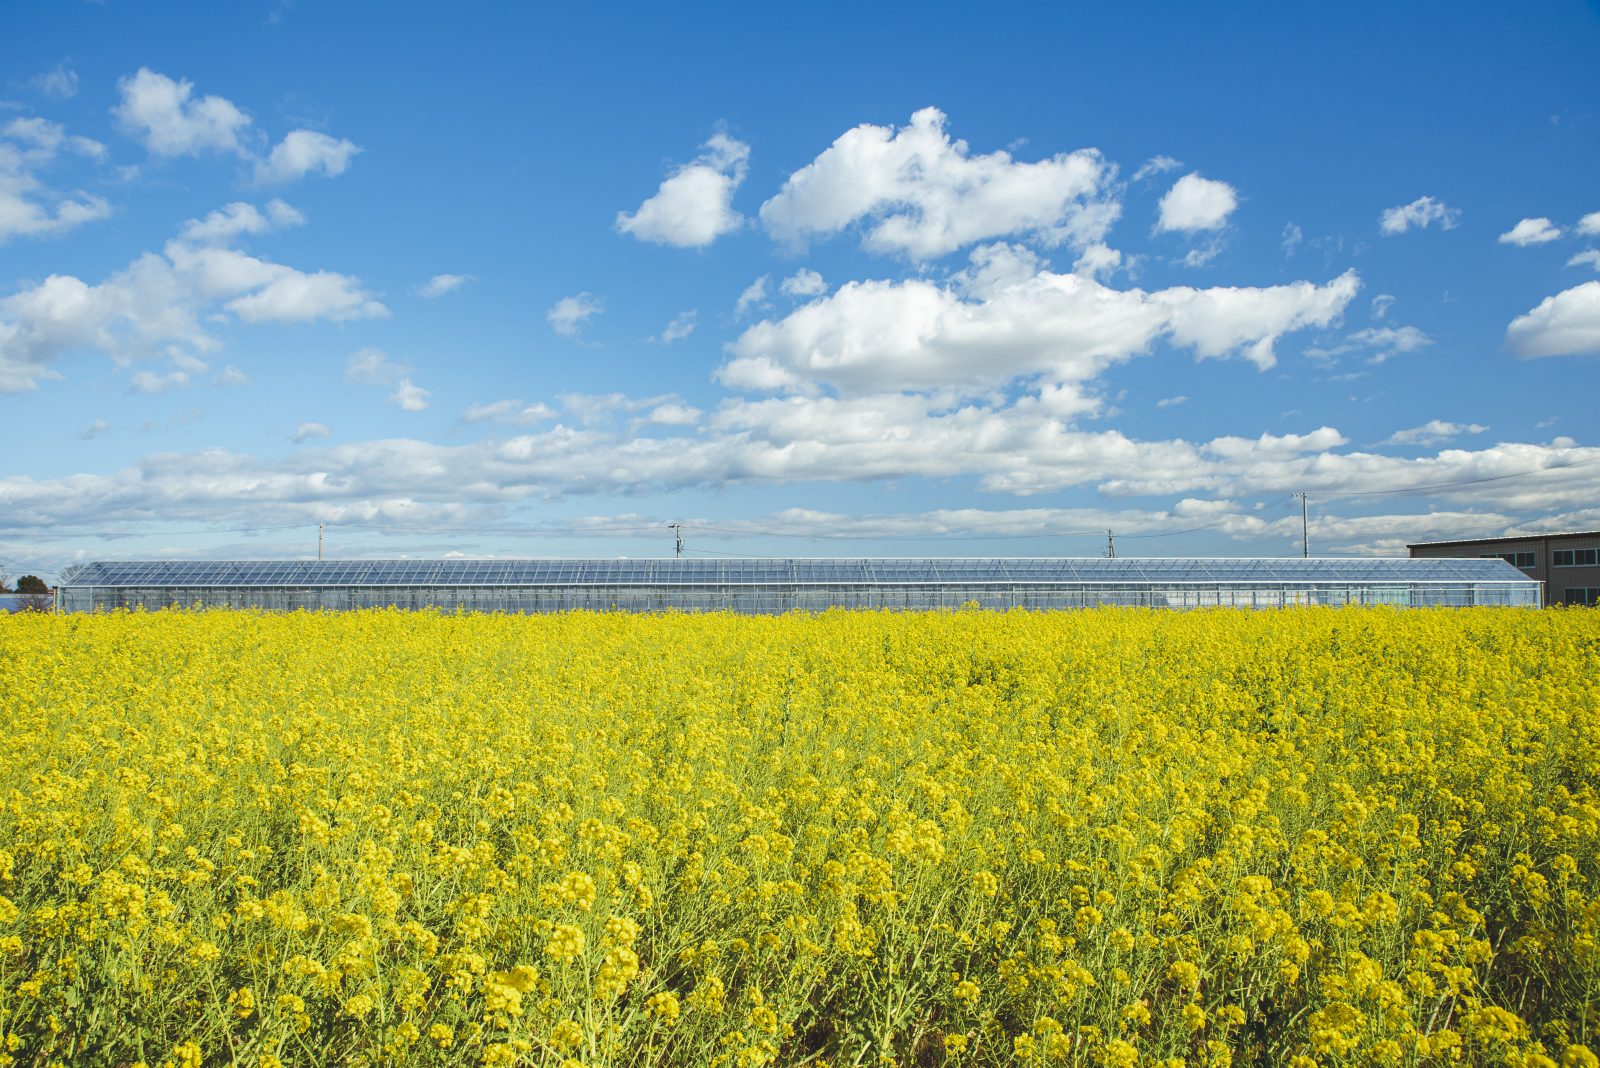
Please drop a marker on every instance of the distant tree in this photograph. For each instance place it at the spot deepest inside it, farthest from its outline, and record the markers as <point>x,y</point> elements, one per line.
<point>37,602</point>
<point>32,584</point>
<point>4,578</point>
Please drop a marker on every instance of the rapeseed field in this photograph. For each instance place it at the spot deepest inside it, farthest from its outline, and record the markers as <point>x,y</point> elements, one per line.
<point>1307,837</point>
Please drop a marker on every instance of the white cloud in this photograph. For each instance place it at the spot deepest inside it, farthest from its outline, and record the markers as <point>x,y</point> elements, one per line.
<point>151,383</point>
<point>1433,432</point>
<point>372,367</point>
<point>916,334</point>
<point>1567,324</point>
<point>1015,448</point>
<point>1156,165</point>
<point>307,431</point>
<point>28,208</point>
<point>681,326</point>
<point>157,305</point>
<point>238,218</point>
<point>1538,231</point>
<point>1586,258</point>
<point>1292,236</point>
<point>673,415</point>
<point>303,151</point>
<point>94,429</point>
<point>924,195</point>
<point>1382,342</point>
<point>170,121</point>
<point>803,283</point>
<point>1420,213</point>
<point>694,206</point>
<point>1171,402</point>
<point>1589,225</point>
<point>568,314</point>
<point>1195,203</point>
<point>601,407</point>
<point>1097,261</point>
<point>231,376</point>
<point>1381,305</point>
<point>440,284</point>
<point>58,83</point>
<point>754,296</point>
<point>1201,255</point>
<point>294,297</point>
<point>509,411</point>
<point>409,397</point>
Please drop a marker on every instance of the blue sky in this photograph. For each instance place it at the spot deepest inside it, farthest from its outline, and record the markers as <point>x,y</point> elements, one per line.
<point>841,282</point>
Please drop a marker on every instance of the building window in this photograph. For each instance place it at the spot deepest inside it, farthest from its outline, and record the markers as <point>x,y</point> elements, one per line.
<point>1580,596</point>
<point>1523,560</point>
<point>1575,557</point>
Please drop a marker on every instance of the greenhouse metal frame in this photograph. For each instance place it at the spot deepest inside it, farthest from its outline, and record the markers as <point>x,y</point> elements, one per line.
<point>767,586</point>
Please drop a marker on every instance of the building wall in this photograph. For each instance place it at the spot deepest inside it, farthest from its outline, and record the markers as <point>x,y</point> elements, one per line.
<point>1562,585</point>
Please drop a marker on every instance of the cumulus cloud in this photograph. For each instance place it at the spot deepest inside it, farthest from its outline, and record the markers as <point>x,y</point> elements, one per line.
<point>294,297</point>
<point>1171,402</point>
<point>162,303</point>
<point>1381,305</point>
<point>1381,343</point>
<point>409,397</point>
<point>58,83</point>
<point>1195,203</point>
<point>1097,261</point>
<point>568,314</point>
<point>29,208</point>
<point>922,195</point>
<point>1419,214</point>
<point>94,429</point>
<point>166,116</point>
<point>1292,236</point>
<point>1012,447</point>
<point>681,326</point>
<point>1589,225</point>
<point>303,152</point>
<point>673,414</point>
<point>149,382</point>
<point>1156,165</point>
<point>239,218</point>
<point>803,283</point>
<point>509,411</point>
<point>372,367</point>
<point>754,296</point>
<point>1433,432</point>
<point>440,284</point>
<point>1567,324</point>
<point>169,120</point>
<point>1540,231</point>
<point>694,206</point>
<point>999,323</point>
<point>1587,258</point>
<point>305,432</point>
<point>230,376</point>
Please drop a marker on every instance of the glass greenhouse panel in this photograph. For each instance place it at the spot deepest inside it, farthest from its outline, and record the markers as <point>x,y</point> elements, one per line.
<point>770,586</point>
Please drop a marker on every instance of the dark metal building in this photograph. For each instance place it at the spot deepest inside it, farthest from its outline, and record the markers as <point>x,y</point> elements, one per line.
<point>1567,565</point>
<point>769,586</point>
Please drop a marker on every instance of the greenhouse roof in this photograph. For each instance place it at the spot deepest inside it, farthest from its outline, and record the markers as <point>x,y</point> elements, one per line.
<point>788,572</point>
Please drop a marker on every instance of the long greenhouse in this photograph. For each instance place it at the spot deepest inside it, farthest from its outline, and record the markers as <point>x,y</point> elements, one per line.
<point>771,586</point>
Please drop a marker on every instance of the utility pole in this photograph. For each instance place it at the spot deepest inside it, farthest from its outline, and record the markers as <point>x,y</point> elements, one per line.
<point>1305,529</point>
<point>677,533</point>
<point>319,541</point>
<point>1111,546</point>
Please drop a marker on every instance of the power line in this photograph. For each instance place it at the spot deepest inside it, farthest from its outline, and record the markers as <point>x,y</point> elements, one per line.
<point>1454,485</point>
